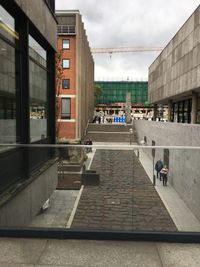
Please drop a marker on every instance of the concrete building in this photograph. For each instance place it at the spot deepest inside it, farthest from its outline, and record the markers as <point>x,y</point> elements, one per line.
<point>174,77</point>
<point>75,82</point>
<point>174,80</point>
<point>28,43</point>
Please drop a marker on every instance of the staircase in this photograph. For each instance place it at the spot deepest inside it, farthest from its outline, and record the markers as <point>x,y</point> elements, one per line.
<point>110,133</point>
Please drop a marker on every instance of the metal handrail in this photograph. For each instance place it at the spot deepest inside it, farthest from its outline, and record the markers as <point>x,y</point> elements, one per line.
<point>66,29</point>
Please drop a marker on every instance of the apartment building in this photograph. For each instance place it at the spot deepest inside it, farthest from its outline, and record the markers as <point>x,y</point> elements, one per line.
<point>75,77</point>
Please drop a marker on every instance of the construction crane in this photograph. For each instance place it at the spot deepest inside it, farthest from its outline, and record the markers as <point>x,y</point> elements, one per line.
<point>125,50</point>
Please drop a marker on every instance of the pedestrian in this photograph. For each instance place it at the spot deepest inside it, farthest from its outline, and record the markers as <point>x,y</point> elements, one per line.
<point>86,148</point>
<point>158,168</point>
<point>164,173</point>
<point>90,143</point>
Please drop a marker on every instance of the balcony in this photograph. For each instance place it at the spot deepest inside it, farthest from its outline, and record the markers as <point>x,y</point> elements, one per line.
<point>66,30</point>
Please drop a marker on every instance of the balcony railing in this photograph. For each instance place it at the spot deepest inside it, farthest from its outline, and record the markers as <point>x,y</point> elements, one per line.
<point>67,29</point>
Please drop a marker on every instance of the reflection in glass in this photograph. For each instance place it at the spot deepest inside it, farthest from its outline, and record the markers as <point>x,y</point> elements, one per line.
<point>7,25</point>
<point>38,91</point>
<point>7,85</point>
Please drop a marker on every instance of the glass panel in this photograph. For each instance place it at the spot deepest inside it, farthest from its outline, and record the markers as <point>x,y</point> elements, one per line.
<point>7,25</point>
<point>111,187</point>
<point>37,52</point>
<point>38,92</point>
<point>7,93</point>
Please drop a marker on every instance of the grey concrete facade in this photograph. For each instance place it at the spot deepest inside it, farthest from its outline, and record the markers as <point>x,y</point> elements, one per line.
<point>40,15</point>
<point>22,207</point>
<point>183,163</point>
<point>176,71</point>
<point>84,78</point>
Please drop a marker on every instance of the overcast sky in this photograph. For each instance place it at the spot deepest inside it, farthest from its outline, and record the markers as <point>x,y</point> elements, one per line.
<point>129,23</point>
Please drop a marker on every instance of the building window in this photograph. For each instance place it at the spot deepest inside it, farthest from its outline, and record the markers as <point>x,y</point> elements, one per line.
<point>65,63</point>
<point>65,83</point>
<point>8,77</point>
<point>65,44</point>
<point>38,90</point>
<point>66,108</point>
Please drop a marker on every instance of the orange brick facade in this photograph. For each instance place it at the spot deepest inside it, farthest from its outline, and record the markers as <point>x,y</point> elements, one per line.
<point>75,104</point>
<point>67,128</point>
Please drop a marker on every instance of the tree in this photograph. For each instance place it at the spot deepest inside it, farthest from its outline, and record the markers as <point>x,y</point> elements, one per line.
<point>59,77</point>
<point>97,93</point>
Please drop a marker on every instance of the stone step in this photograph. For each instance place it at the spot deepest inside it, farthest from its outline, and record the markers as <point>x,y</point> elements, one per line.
<point>109,127</point>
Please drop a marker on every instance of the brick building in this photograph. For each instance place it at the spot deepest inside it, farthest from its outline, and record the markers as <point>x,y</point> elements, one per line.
<point>75,77</point>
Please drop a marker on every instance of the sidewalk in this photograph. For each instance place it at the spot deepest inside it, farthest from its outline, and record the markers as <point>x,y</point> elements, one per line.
<point>183,218</point>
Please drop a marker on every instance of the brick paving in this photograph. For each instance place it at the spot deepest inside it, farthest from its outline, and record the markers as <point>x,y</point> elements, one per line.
<point>125,198</point>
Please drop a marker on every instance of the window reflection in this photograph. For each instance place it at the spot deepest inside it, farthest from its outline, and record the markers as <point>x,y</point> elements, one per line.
<point>7,78</point>
<point>38,91</point>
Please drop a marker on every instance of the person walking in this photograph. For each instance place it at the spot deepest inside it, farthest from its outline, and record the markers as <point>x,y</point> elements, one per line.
<point>164,173</point>
<point>90,143</point>
<point>158,168</point>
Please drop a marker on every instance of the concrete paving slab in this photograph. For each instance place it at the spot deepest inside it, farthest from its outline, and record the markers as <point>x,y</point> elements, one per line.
<point>179,255</point>
<point>20,251</point>
<point>58,214</point>
<point>100,253</point>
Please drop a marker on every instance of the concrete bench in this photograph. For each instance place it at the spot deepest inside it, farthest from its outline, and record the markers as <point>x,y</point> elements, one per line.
<point>90,177</point>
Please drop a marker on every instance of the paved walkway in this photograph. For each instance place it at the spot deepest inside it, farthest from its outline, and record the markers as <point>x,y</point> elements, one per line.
<point>89,253</point>
<point>125,198</point>
<point>178,210</point>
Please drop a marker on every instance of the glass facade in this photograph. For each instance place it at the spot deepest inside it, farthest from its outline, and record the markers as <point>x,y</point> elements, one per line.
<point>115,92</point>
<point>27,92</point>
<point>8,77</point>
<point>182,111</point>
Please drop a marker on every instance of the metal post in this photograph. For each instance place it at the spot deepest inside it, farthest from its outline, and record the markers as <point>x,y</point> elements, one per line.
<point>131,132</point>
<point>153,156</point>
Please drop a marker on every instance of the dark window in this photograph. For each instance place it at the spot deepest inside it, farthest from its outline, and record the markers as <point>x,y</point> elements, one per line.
<point>65,44</point>
<point>65,83</point>
<point>66,108</point>
<point>66,63</point>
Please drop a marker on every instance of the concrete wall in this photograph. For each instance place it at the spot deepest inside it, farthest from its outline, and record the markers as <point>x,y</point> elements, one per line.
<point>41,17</point>
<point>22,207</point>
<point>176,71</point>
<point>84,78</point>
<point>183,164</point>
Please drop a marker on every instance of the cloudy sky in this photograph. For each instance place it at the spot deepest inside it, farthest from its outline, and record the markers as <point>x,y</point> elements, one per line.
<point>129,23</point>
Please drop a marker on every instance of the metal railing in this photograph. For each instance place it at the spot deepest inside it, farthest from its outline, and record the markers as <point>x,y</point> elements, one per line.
<point>67,29</point>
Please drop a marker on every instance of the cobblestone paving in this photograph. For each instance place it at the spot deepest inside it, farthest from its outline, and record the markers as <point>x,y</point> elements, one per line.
<point>125,198</point>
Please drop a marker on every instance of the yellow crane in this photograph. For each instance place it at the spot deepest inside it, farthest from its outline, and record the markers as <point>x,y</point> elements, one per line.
<point>125,50</point>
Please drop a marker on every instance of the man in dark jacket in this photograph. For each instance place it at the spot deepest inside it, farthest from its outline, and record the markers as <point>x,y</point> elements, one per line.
<point>158,168</point>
